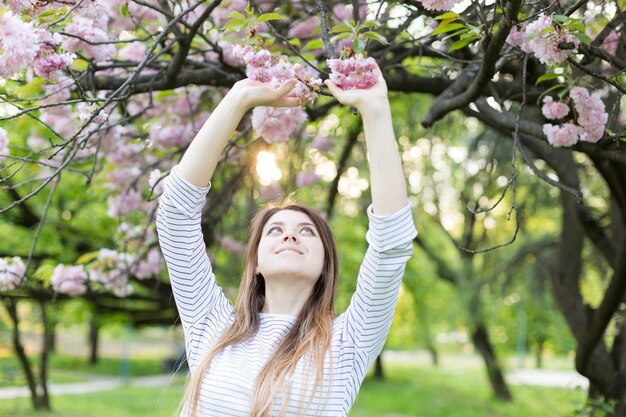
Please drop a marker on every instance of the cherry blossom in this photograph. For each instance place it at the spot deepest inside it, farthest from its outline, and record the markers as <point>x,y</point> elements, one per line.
<point>19,43</point>
<point>321,143</point>
<point>271,192</point>
<point>306,178</point>
<point>565,135</point>
<point>554,110</point>
<point>148,267</point>
<point>351,73</point>
<point>92,30</point>
<point>4,144</point>
<point>154,181</point>
<point>305,28</point>
<point>275,124</point>
<point>111,270</point>
<point>610,43</point>
<point>545,46</point>
<point>439,4</point>
<point>48,63</point>
<point>231,244</point>
<point>70,280</point>
<point>592,117</point>
<point>11,273</point>
<point>344,12</point>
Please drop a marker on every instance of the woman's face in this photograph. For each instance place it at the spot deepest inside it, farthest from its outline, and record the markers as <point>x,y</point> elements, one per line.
<point>290,248</point>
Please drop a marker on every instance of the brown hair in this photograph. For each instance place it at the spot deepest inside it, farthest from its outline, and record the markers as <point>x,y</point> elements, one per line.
<point>311,333</point>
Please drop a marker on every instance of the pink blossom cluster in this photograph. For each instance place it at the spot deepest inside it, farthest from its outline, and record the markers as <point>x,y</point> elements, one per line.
<point>610,43</point>
<point>321,143</point>
<point>125,203</point>
<point>18,44</point>
<point>544,46</point>
<point>22,45</point>
<point>351,73</point>
<point>92,30</point>
<point>439,4</point>
<point>589,125</point>
<point>276,124</point>
<point>231,244</point>
<point>271,192</point>
<point>11,273</point>
<point>70,280</point>
<point>345,12</point>
<point>86,110</point>
<point>554,110</point>
<point>111,270</point>
<point>48,63</point>
<point>304,29</point>
<point>154,181</point>
<point>306,178</point>
<point>261,66</point>
<point>4,144</point>
<point>149,266</point>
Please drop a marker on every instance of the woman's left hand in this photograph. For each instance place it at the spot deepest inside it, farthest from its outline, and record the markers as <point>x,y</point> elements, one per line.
<point>360,97</point>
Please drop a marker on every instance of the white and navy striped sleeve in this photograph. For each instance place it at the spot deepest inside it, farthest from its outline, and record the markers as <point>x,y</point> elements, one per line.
<point>180,237</point>
<point>368,317</point>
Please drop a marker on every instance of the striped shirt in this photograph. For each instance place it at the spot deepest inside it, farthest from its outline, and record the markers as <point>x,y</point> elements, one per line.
<point>358,335</point>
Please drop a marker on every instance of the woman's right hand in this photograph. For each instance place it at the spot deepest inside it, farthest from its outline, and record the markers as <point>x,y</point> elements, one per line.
<point>255,93</point>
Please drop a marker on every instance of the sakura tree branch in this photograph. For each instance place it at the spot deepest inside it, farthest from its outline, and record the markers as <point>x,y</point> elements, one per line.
<point>323,11</point>
<point>444,105</point>
<point>598,76</point>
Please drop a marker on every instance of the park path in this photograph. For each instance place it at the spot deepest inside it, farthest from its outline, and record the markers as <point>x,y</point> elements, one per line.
<point>531,377</point>
<point>94,385</point>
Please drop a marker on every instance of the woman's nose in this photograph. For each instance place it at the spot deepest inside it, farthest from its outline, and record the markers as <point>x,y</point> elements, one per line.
<point>289,236</point>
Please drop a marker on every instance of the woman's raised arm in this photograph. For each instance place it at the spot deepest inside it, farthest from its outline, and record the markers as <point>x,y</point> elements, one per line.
<point>388,184</point>
<point>200,159</point>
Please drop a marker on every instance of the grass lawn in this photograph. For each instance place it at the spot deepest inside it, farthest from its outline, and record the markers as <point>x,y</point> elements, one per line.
<point>76,369</point>
<point>409,390</point>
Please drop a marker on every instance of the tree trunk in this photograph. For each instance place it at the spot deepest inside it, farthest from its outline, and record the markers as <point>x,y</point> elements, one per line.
<point>94,330</point>
<point>480,337</point>
<point>11,307</point>
<point>44,399</point>
<point>539,353</point>
<point>378,370</point>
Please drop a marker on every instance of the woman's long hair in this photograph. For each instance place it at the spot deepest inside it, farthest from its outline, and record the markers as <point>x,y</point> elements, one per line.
<point>310,335</point>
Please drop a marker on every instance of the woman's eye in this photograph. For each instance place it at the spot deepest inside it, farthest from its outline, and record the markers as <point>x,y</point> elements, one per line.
<point>308,230</point>
<point>273,229</point>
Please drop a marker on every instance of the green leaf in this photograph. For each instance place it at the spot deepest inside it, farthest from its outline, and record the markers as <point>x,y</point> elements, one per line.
<point>236,15</point>
<point>358,45</point>
<point>546,77</point>
<point>447,15</point>
<point>582,37</point>
<point>375,37</point>
<point>44,272</point>
<point>560,18</point>
<point>541,32</point>
<point>295,42</point>
<point>341,36</point>
<point>233,25</point>
<point>457,33</point>
<point>340,28</point>
<point>553,88</point>
<point>575,26</point>
<point>461,43</point>
<point>447,28</point>
<point>52,15</point>
<point>314,44</point>
<point>369,24</point>
<point>87,257</point>
<point>124,10</point>
<point>265,17</point>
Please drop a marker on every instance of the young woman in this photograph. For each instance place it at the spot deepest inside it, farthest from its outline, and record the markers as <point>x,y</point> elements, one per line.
<point>280,350</point>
